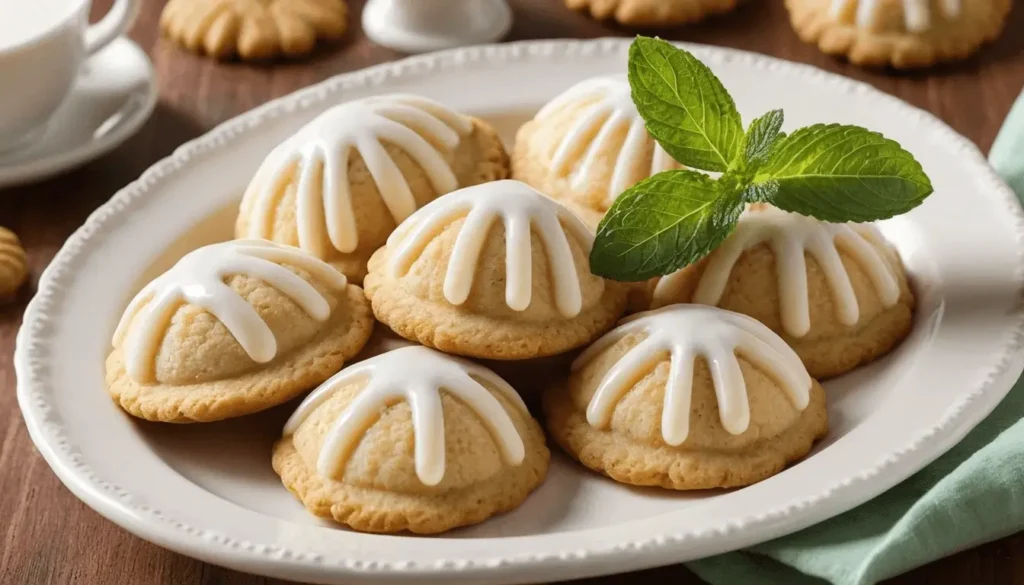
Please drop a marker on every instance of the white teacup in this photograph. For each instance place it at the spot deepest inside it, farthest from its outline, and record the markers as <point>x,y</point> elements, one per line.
<point>42,45</point>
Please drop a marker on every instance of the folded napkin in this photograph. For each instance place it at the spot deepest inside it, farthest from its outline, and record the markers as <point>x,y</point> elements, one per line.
<point>971,495</point>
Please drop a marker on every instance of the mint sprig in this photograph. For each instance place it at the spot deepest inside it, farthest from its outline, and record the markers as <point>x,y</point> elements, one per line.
<point>832,172</point>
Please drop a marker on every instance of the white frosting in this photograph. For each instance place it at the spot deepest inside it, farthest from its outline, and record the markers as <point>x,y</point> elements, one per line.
<point>684,333</point>
<point>198,279</point>
<point>416,375</point>
<point>319,154</point>
<point>790,236</point>
<point>610,107</point>
<point>522,210</point>
<point>917,15</point>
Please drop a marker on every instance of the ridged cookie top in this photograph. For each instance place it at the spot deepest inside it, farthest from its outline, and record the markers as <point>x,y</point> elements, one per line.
<point>918,15</point>
<point>791,239</point>
<point>681,334</point>
<point>223,308</point>
<point>353,427</point>
<point>13,265</point>
<point>528,221</point>
<point>342,182</point>
<point>593,136</point>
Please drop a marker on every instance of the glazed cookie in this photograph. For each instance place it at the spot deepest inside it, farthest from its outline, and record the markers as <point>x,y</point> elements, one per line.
<point>231,329</point>
<point>253,29</point>
<point>837,293</point>
<point>687,397</point>
<point>900,33</point>
<point>652,12</point>
<point>496,271</point>
<point>13,264</point>
<point>412,440</point>
<point>340,185</point>
<point>587,146</point>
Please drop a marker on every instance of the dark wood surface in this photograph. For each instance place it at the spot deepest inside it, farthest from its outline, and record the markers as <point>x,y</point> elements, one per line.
<point>49,537</point>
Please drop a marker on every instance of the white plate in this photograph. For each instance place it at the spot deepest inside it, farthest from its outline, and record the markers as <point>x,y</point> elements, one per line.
<point>114,94</point>
<point>208,490</point>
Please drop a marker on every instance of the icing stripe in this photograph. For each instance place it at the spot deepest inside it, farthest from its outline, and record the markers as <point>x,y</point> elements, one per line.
<point>917,17</point>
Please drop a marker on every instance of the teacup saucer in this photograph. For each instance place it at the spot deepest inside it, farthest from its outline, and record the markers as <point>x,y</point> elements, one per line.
<point>114,94</point>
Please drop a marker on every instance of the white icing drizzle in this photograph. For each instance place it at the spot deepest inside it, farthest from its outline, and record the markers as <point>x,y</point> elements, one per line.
<point>198,279</point>
<point>686,332</point>
<point>611,107</point>
<point>917,16</point>
<point>416,375</point>
<point>789,236</point>
<point>423,129</point>
<point>522,210</point>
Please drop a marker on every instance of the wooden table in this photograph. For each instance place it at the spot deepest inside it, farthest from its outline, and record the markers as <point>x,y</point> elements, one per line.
<point>49,537</point>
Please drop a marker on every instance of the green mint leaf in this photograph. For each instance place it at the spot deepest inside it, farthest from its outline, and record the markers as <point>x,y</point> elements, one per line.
<point>685,107</point>
<point>761,136</point>
<point>662,224</point>
<point>843,173</point>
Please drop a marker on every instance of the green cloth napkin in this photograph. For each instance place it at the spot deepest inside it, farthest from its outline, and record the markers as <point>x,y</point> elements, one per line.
<point>971,495</point>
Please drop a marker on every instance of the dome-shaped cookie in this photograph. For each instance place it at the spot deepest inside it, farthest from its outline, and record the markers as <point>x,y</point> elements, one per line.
<point>837,293</point>
<point>414,440</point>
<point>687,397</point>
<point>13,264</point>
<point>900,33</point>
<point>587,146</point>
<point>231,329</point>
<point>253,29</point>
<point>340,185</point>
<point>495,271</point>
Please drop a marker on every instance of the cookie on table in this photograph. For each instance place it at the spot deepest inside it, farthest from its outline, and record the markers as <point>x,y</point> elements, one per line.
<point>899,33</point>
<point>653,13</point>
<point>341,184</point>
<point>495,271</point>
<point>13,264</point>
<point>253,29</point>
<point>837,293</point>
<point>412,440</point>
<point>687,397</point>
<point>231,329</point>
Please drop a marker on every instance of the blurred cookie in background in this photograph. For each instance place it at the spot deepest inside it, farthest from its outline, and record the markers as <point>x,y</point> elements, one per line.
<point>904,34</point>
<point>13,265</point>
<point>654,13</point>
<point>253,29</point>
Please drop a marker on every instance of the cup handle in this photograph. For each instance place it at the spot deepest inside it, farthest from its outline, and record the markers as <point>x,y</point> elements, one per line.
<point>118,19</point>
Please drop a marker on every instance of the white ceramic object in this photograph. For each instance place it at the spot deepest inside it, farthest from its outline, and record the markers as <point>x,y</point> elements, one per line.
<point>208,490</point>
<point>418,26</point>
<point>45,43</point>
<point>115,93</point>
